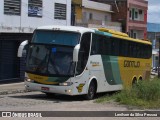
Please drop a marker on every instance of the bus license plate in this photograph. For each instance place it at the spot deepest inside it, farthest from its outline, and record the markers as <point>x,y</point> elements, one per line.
<point>44,88</point>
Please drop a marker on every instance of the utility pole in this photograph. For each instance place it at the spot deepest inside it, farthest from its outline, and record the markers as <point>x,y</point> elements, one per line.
<point>116,6</point>
<point>159,59</point>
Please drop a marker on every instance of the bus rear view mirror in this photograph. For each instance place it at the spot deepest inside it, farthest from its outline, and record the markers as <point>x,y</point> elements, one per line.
<point>21,48</point>
<point>75,53</point>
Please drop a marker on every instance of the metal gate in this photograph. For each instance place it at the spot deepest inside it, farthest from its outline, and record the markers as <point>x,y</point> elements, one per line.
<point>11,67</point>
<point>9,63</point>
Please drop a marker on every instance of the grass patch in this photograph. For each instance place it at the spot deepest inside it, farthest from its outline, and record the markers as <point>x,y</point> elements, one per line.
<point>145,94</point>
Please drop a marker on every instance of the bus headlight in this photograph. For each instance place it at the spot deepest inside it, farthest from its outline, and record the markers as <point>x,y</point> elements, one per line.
<point>29,80</point>
<point>68,91</point>
<point>65,84</point>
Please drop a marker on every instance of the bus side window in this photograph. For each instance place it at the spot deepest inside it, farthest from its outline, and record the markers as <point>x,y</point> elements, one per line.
<point>142,51</point>
<point>95,44</point>
<point>83,52</point>
<point>114,46</point>
<point>131,49</point>
<point>100,45</point>
<point>138,51</point>
<point>149,51</point>
<point>107,47</point>
<point>135,50</point>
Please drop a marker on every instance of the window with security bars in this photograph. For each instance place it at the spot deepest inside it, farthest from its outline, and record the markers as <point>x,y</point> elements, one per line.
<point>12,7</point>
<point>60,11</point>
<point>35,8</point>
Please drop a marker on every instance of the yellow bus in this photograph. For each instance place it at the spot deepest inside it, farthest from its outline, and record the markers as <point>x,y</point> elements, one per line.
<point>81,61</point>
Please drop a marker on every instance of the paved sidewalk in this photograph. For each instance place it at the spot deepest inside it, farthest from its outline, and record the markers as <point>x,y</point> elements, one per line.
<point>12,88</point>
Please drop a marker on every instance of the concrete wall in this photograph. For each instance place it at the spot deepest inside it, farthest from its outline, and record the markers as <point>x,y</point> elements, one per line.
<point>25,24</point>
<point>96,5</point>
<point>96,14</point>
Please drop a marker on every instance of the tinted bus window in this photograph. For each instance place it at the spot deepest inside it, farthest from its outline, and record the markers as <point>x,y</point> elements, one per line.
<point>105,45</point>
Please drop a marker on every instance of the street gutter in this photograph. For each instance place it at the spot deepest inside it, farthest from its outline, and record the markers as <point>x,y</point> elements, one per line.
<point>13,88</point>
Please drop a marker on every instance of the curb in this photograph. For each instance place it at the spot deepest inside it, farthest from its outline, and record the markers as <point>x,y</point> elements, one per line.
<point>13,88</point>
<point>13,91</point>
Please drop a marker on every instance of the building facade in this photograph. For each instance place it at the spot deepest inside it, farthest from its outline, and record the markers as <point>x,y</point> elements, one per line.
<point>153,34</point>
<point>132,14</point>
<point>93,14</point>
<point>18,19</point>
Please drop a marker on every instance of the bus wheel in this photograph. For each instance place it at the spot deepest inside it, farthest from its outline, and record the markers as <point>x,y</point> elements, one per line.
<point>50,95</point>
<point>134,82</point>
<point>140,79</point>
<point>91,91</point>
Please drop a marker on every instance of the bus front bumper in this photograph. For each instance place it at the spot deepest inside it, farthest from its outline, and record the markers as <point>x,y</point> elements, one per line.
<point>49,88</point>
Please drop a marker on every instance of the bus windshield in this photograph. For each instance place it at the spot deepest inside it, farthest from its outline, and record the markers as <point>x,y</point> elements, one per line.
<point>52,58</point>
<point>56,37</point>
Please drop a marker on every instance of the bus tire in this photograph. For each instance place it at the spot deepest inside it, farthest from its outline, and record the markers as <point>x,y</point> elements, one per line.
<point>134,82</point>
<point>140,79</point>
<point>91,91</point>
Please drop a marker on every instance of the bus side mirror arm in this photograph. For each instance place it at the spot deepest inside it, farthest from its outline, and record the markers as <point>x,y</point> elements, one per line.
<point>21,47</point>
<point>75,53</point>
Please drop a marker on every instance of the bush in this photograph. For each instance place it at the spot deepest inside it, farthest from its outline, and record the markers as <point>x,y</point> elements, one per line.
<point>144,94</point>
<point>147,90</point>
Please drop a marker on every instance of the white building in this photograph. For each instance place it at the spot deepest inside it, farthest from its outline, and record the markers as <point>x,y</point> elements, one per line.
<point>25,15</point>
<point>18,19</point>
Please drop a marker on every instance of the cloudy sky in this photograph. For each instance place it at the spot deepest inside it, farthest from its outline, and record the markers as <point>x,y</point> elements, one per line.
<point>154,11</point>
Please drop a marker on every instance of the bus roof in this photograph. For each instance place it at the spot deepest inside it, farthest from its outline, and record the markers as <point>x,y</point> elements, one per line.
<point>121,35</point>
<point>66,28</point>
<point>82,30</point>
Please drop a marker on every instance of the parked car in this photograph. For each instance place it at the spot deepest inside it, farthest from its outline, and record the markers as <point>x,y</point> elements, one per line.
<point>155,69</point>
